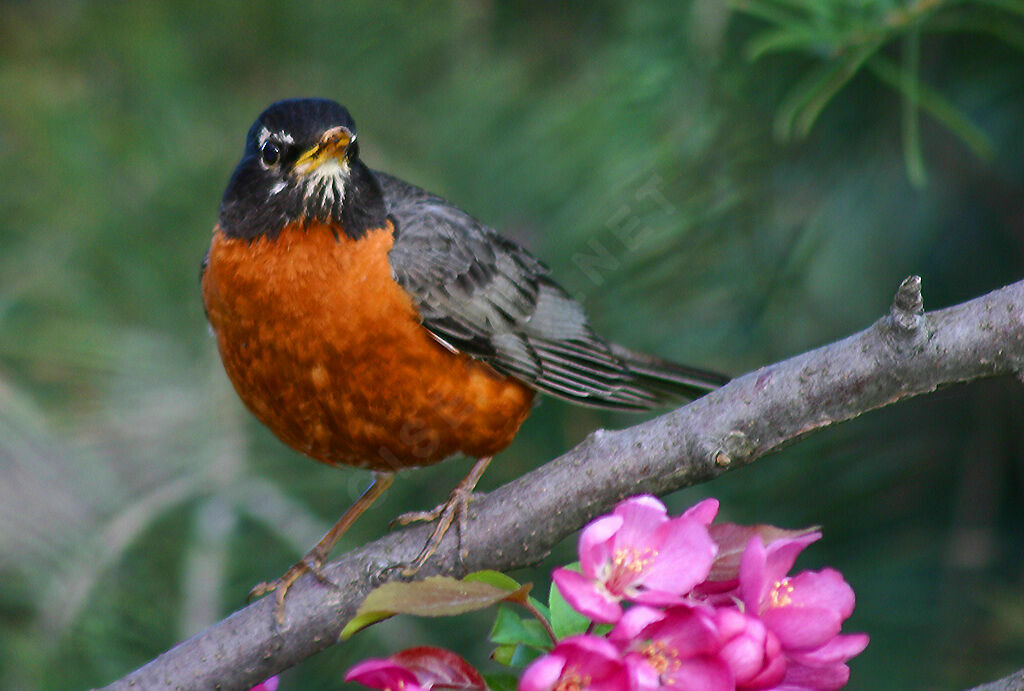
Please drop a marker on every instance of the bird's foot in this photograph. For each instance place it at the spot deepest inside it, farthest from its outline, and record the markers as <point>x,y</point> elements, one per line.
<point>427,516</point>
<point>311,563</point>
<point>456,508</point>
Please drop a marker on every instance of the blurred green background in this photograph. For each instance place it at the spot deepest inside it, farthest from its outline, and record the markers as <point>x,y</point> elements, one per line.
<point>727,185</point>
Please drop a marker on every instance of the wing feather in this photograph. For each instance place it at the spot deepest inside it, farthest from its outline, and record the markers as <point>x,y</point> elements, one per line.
<point>488,297</point>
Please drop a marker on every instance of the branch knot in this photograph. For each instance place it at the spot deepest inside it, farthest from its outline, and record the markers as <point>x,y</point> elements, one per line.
<point>736,447</point>
<point>908,306</point>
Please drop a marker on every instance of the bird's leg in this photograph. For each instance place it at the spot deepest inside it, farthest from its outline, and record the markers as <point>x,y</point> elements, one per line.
<point>315,558</point>
<point>457,506</point>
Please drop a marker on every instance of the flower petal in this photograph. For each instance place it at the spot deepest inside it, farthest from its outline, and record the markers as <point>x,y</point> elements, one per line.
<point>703,512</point>
<point>656,598</point>
<point>596,544</point>
<point>825,589</point>
<point>267,684</point>
<point>826,678</point>
<point>684,557</point>
<point>641,518</point>
<point>705,673</point>
<point>802,628</point>
<point>587,646</point>
<point>743,643</point>
<point>587,597</point>
<point>781,554</point>
<point>750,649</point>
<point>383,674</point>
<point>688,631</point>
<point>597,659</point>
<point>771,675</point>
<point>642,676</point>
<point>633,623</point>
<point>439,667</point>
<point>753,576</point>
<point>839,649</point>
<point>543,673</point>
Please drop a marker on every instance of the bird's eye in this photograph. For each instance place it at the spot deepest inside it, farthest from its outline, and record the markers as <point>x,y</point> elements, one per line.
<point>270,154</point>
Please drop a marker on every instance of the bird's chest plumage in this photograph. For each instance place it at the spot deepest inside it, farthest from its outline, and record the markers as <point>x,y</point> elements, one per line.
<point>328,351</point>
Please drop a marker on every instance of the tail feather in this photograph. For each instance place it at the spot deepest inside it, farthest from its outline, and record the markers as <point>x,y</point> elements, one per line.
<point>667,380</point>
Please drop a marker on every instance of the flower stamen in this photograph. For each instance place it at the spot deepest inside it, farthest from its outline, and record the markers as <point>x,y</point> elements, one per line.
<point>571,680</point>
<point>663,659</point>
<point>627,564</point>
<point>779,596</point>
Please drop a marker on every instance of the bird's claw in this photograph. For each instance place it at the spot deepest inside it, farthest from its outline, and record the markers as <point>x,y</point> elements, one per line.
<point>312,563</point>
<point>456,508</point>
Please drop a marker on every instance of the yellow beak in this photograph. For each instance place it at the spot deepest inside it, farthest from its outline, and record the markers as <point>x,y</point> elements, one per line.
<point>332,145</point>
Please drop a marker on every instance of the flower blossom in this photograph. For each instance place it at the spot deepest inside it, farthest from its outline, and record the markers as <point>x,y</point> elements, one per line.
<point>579,663</point>
<point>638,553</point>
<point>713,607</point>
<point>805,612</point>
<point>675,647</point>
<point>417,669</point>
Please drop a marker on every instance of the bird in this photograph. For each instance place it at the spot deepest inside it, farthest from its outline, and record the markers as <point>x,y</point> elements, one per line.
<point>370,323</point>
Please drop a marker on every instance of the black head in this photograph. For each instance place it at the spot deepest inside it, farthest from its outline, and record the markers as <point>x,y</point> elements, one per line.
<point>301,163</point>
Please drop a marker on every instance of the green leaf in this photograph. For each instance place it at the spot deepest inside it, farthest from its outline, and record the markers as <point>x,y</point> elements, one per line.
<point>515,656</point>
<point>510,628</point>
<point>780,40</point>
<point>937,106</point>
<point>495,578</point>
<point>805,101</point>
<point>524,655</point>
<point>501,682</point>
<point>503,654</point>
<point>360,621</point>
<point>911,120</point>
<point>437,596</point>
<point>565,621</point>
<point>500,580</point>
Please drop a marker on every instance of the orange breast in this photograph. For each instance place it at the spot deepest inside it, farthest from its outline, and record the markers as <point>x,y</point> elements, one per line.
<point>328,351</point>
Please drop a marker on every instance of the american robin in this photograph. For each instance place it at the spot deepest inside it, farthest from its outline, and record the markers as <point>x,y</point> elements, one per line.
<point>372,324</point>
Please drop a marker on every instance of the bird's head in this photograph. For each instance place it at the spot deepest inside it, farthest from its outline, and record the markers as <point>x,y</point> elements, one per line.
<point>301,164</point>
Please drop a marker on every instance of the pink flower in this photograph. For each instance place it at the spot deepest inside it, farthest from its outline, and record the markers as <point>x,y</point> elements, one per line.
<point>675,647</point>
<point>752,652</point>
<point>578,663</point>
<point>638,553</point>
<point>761,567</point>
<point>805,612</point>
<point>266,685</point>
<point>417,669</point>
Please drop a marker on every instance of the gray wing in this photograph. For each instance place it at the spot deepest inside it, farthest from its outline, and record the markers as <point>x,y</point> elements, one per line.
<point>488,297</point>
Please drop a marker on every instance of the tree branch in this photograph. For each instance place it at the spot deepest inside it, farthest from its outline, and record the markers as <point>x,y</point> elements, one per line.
<point>904,354</point>
<point>1014,682</point>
